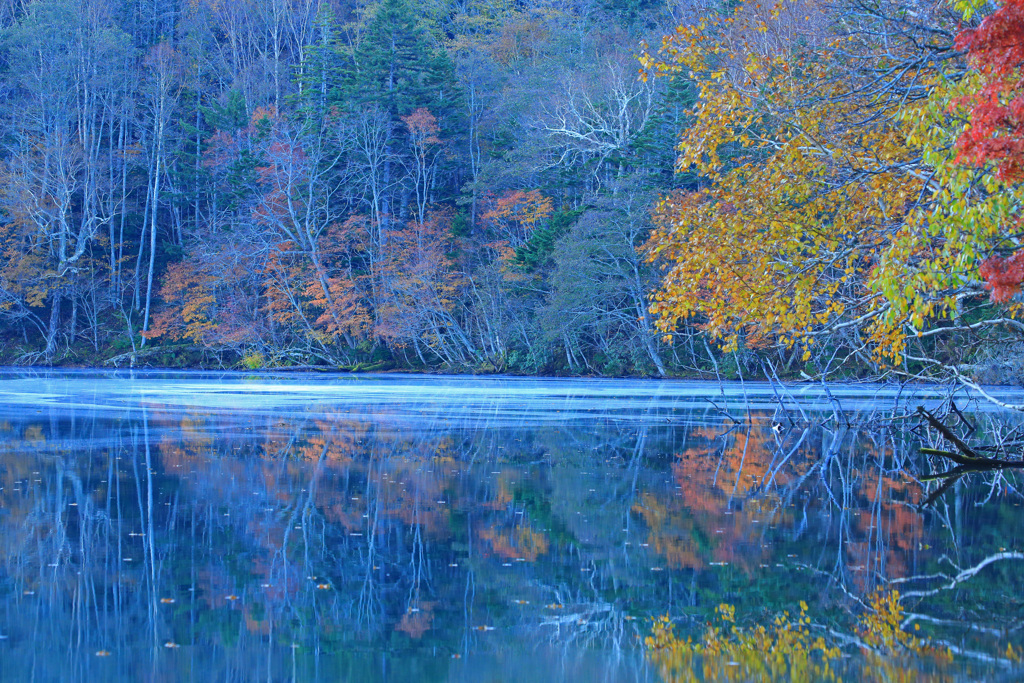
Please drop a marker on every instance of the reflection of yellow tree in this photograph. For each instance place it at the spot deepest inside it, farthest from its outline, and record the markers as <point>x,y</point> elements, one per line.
<point>18,466</point>
<point>881,629</point>
<point>785,650</point>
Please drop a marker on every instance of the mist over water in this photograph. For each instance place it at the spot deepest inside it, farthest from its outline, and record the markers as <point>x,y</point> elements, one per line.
<point>189,526</point>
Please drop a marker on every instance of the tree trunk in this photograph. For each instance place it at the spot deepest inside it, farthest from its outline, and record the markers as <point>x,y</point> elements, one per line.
<point>51,331</point>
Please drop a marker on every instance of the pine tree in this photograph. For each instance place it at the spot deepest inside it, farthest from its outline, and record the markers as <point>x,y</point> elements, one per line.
<point>398,66</point>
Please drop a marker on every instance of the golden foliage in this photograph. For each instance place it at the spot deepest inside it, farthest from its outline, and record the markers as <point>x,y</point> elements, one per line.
<point>895,654</point>
<point>782,651</point>
<point>515,215</point>
<point>786,650</point>
<point>827,204</point>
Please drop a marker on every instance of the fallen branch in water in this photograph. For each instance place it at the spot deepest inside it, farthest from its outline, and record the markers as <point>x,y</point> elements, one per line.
<point>967,459</point>
<point>965,574</point>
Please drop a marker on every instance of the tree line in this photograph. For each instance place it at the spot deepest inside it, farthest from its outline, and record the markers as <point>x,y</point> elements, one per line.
<point>490,186</point>
<point>304,182</point>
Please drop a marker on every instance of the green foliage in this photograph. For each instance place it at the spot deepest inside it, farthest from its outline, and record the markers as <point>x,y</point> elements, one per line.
<point>230,116</point>
<point>397,65</point>
<point>254,361</point>
<point>673,112</point>
<point>461,225</point>
<point>528,362</point>
<point>541,244</point>
<point>968,8</point>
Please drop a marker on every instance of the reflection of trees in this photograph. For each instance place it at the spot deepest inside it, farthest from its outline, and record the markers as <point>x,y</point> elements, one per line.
<point>234,537</point>
<point>226,537</point>
<point>845,513</point>
<point>744,491</point>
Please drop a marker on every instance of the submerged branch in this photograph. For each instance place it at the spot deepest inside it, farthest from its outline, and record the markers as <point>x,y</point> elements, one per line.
<point>966,574</point>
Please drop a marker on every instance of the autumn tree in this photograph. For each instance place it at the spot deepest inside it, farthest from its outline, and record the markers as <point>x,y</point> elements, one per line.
<point>419,308</point>
<point>163,68</point>
<point>992,100</point>
<point>425,149</point>
<point>58,198</point>
<point>819,224</point>
<point>514,216</point>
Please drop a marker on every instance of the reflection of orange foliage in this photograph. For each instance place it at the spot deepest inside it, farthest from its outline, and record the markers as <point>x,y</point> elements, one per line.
<point>417,620</point>
<point>503,497</point>
<point>891,516</point>
<point>719,503</point>
<point>709,478</point>
<point>254,625</point>
<point>521,543</point>
<point>667,535</point>
<point>409,488</point>
<point>697,526</point>
<point>335,478</point>
<point>273,487</point>
<point>184,440</point>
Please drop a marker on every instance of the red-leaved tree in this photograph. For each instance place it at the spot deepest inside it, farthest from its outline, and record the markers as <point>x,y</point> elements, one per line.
<point>996,131</point>
<point>996,134</point>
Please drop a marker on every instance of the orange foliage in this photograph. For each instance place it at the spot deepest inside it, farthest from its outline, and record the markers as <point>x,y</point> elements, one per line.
<point>420,283</point>
<point>188,295</point>
<point>204,300</point>
<point>423,128</point>
<point>1003,276</point>
<point>521,38</point>
<point>515,215</point>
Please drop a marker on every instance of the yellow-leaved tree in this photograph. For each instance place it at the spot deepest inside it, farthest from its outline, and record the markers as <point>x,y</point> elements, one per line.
<point>832,214</point>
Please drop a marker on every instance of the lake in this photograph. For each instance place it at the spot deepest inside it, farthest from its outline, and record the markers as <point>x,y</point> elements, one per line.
<point>238,527</point>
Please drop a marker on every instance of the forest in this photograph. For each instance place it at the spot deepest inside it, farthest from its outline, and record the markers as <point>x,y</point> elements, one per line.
<point>599,187</point>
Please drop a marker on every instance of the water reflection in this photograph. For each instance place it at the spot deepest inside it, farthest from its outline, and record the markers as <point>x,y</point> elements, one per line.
<point>180,539</point>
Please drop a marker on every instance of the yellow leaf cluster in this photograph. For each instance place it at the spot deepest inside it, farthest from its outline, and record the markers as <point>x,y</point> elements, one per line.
<point>785,650</point>
<point>829,204</point>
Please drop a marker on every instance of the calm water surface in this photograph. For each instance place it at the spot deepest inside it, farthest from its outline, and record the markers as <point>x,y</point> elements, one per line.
<point>391,528</point>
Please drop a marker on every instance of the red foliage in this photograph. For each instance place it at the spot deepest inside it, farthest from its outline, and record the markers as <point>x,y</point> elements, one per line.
<point>1003,275</point>
<point>996,132</point>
